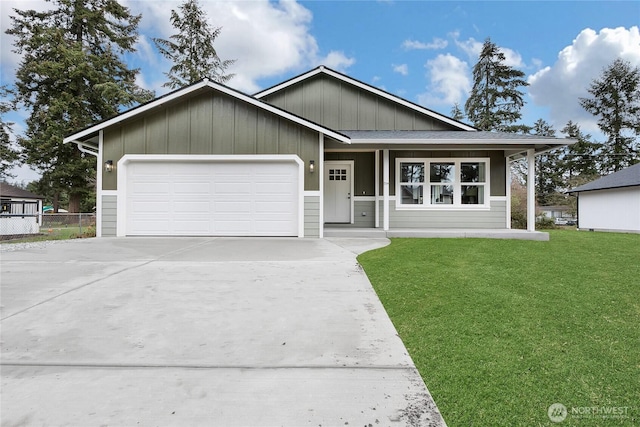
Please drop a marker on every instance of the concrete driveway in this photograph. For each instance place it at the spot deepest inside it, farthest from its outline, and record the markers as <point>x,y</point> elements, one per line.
<point>201,331</point>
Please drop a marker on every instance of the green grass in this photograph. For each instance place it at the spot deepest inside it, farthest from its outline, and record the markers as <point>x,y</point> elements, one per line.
<point>501,329</point>
<point>63,233</point>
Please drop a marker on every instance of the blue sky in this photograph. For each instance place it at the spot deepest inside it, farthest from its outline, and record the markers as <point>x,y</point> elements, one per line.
<point>422,51</point>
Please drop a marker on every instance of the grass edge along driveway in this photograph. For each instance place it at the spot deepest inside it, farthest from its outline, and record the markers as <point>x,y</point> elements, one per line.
<point>502,329</point>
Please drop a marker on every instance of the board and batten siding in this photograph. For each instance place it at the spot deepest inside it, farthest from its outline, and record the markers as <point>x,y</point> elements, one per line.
<point>336,104</point>
<point>109,215</point>
<point>494,218</point>
<point>210,122</point>
<point>311,216</point>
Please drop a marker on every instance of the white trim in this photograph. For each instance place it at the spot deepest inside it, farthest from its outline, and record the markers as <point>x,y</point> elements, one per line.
<point>368,88</point>
<point>311,193</point>
<point>320,171</point>
<point>508,192</point>
<point>498,198</point>
<point>385,189</point>
<point>457,184</point>
<point>99,193</point>
<point>229,158</point>
<point>365,198</point>
<point>215,86</point>
<point>376,186</point>
<point>531,190</point>
<point>351,164</point>
<point>110,192</point>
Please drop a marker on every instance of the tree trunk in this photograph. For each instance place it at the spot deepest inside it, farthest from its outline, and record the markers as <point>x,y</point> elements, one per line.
<point>74,202</point>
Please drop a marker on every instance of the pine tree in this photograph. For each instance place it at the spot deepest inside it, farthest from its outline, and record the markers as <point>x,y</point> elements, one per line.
<point>615,102</point>
<point>191,49</point>
<point>580,159</point>
<point>456,112</point>
<point>495,100</point>
<point>8,155</point>
<point>71,76</point>
<point>548,173</point>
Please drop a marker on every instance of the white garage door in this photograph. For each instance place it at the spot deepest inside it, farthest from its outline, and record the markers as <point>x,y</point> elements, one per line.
<point>208,198</point>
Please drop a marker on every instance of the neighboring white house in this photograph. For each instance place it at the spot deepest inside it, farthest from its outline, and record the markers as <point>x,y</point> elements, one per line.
<point>611,203</point>
<point>561,211</point>
<point>20,212</point>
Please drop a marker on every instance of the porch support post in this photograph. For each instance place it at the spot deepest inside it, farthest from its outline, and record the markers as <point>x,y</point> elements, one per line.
<point>508,192</point>
<point>376,187</point>
<point>320,173</point>
<point>531,190</point>
<point>385,188</point>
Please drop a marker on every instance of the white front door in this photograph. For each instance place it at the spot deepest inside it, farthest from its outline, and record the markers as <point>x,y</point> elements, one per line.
<point>338,191</point>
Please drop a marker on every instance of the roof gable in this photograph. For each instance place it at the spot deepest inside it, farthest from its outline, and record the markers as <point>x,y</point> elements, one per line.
<point>387,101</point>
<point>629,177</point>
<point>185,91</point>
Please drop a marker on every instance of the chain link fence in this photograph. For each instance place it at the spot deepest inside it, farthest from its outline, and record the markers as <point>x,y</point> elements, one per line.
<point>24,220</point>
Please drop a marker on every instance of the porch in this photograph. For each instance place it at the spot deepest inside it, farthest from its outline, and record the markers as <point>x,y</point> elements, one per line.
<point>337,231</point>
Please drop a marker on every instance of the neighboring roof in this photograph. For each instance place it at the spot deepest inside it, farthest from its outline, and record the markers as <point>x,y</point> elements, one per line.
<point>7,190</point>
<point>90,131</point>
<point>350,80</point>
<point>629,177</point>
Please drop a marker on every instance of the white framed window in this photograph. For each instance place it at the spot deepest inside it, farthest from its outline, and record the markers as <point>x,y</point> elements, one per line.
<point>442,183</point>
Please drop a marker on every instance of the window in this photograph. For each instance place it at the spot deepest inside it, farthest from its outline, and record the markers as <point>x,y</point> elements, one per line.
<point>442,182</point>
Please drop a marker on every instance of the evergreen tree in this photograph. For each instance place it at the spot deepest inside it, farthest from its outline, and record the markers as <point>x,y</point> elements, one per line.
<point>548,173</point>
<point>615,102</point>
<point>191,49</point>
<point>71,75</point>
<point>8,155</point>
<point>495,100</point>
<point>580,158</point>
<point>456,112</point>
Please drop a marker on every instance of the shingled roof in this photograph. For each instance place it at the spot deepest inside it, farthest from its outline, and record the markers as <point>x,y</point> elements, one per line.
<point>629,177</point>
<point>7,190</point>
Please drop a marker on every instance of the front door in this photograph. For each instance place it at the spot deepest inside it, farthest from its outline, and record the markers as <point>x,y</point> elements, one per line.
<point>337,191</point>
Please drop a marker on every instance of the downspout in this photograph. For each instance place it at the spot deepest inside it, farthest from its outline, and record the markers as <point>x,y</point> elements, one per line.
<point>84,150</point>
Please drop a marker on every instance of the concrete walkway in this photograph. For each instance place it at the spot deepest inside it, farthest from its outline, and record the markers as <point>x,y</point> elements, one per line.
<point>201,331</point>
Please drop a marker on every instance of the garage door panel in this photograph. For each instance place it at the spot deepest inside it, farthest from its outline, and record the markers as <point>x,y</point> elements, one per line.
<point>213,198</point>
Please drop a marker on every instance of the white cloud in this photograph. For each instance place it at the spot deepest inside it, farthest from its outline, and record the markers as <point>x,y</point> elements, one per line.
<point>450,81</point>
<point>560,85</point>
<point>401,69</point>
<point>266,38</point>
<point>437,43</point>
<point>473,47</point>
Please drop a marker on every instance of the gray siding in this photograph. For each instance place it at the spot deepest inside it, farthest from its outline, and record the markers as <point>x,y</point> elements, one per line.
<point>363,173</point>
<point>494,218</point>
<point>210,122</point>
<point>311,216</point>
<point>109,215</point>
<point>339,105</point>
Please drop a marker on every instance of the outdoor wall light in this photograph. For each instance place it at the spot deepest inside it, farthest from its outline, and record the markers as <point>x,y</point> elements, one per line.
<point>108,166</point>
<point>312,165</point>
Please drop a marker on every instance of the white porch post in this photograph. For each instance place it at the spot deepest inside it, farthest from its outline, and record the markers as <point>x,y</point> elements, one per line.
<point>531,190</point>
<point>377,189</point>
<point>385,188</point>
<point>508,192</point>
<point>320,173</point>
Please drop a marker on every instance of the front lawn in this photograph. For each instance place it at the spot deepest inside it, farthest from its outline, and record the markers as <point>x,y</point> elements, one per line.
<point>502,329</point>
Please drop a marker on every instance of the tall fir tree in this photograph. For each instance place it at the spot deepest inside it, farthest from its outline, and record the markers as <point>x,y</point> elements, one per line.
<point>456,112</point>
<point>496,99</point>
<point>615,101</point>
<point>191,50</point>
<point>8,154</point>
<point>548,173</point>
<point>71,75</point>
<point>580,159</point>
